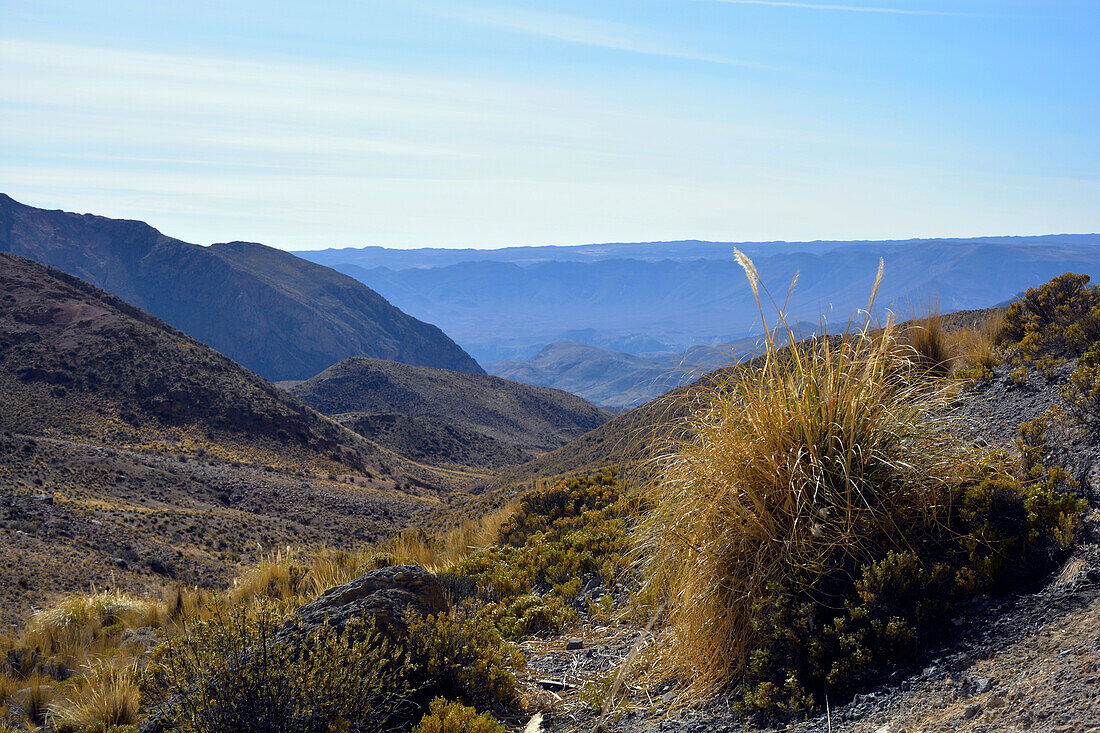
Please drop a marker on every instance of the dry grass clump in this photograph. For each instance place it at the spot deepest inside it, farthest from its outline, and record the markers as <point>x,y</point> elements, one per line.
<point>814,460</point>
<point>926,343</point>
<point>976,346</point>
<point>104,699</point>
<point>71,626</point>
<point>440,551</point>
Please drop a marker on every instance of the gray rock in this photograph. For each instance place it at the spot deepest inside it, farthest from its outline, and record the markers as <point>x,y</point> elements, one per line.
<point>574,643</point>
<point>384,594</point>
<point>146,637</point>
<point>972,711</point>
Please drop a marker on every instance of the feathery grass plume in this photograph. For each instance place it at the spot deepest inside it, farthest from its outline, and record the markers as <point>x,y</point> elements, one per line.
<point>878,281</point>
<point>819,458</point>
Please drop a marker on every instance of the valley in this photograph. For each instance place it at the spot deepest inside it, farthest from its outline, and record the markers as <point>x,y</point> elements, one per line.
<point>532,546</point>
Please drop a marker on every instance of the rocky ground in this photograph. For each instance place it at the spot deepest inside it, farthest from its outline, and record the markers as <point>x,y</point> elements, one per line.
<point>75,516</point>
<point>1026,662</point>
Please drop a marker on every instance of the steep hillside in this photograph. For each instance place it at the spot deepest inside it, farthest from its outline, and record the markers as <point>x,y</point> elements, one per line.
<point>76,361</point>
<point>531,419</point>
<point>130,451</point>
<point>281,316</point>
<point>434,441</point>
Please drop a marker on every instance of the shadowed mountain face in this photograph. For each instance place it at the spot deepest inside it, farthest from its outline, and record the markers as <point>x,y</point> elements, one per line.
<point>524,420</point>
<point>281,316</point>
<point>75,360</point>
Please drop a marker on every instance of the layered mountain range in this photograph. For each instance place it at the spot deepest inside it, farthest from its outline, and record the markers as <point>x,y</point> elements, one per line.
<point>662,298</point>
<point>274,313</point>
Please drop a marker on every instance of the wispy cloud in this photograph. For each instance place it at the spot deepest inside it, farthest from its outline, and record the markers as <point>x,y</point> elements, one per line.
<point>582,31</point>
<point>852,8</point>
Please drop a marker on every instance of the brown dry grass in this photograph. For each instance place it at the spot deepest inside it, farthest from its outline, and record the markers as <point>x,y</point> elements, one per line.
<point>782,470</point>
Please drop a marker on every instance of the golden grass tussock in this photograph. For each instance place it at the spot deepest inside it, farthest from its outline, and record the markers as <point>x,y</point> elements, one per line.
<point>297,576</point>
<point>780,471</point>
<point>976,346</point>
<point>438,552</point>
<point>33,698</point>
<point>104,699</point>
<point>70,627</point>
<point>926,343</point>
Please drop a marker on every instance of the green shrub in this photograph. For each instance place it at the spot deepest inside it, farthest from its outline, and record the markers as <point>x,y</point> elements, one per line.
<point>565,506</point>
<point>237,672</point>
<point>231,673</point>
<point>452,717</point>
<point>1061,318</point>
<point>557,536</point>
<point>529,615</point>
<point>1082,394</point>
<point>976,373</point>
<point>457,656</point>
<point>1000,533</point>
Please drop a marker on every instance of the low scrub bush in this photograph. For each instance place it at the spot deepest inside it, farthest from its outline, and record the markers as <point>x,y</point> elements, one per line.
<point>1082,394</point>
<point>1061,318</point>
<point>231,673</point>
<point>453,717</point>
<point>558,536</point>
<point>819,516</point>
<point>245,670</point>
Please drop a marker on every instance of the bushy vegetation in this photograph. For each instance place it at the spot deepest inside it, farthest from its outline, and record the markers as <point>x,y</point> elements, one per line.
<point>1060,318</point>
<point>821,517</point>
<point>453,717</point>
<point>558,536</point>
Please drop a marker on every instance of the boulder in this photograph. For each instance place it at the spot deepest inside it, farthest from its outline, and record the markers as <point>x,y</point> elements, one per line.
<point>384,595</point>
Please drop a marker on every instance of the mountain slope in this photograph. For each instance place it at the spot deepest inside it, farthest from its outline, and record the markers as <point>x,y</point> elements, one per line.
<point>75,360</point>
<point>529,418</point>
<point>281,316</point>
<point>130,453</point>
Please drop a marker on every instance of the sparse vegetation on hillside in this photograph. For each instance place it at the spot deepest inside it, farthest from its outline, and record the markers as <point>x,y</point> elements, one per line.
<point>820,517</point>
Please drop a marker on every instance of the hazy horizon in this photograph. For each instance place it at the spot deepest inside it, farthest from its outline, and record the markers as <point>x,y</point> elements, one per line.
<point>486,125</point>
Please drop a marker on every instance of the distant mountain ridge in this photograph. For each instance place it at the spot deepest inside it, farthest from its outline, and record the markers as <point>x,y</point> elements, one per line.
<point>685,249</point>
<point>618,380</point>
<point>471,417</point>
<point>645,294</point>
<point>274,313</point>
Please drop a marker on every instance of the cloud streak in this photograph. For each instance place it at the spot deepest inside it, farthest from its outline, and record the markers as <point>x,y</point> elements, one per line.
<point>582,31</point>
<point>852,8</point>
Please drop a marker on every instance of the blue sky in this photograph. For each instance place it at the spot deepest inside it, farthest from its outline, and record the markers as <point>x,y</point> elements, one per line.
<point>484,124</point>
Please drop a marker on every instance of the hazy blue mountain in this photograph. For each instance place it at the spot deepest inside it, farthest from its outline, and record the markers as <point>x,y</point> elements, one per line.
<point>687,249</point>
<point>281,316</point>
<point>503,310</point>
<point>618,380</point>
